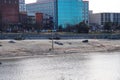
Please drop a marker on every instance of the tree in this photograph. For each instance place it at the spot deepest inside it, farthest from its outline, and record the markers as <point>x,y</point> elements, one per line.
<point>60,28</point>
<point>69,28</point>
<point>82,27</point>
<point>118,27</point>
<point>108,26</point>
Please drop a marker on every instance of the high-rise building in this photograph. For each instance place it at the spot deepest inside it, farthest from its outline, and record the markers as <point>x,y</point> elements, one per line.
<point>64,12</point>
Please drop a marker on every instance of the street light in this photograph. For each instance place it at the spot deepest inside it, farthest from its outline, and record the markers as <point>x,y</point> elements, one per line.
<point>51,24</point>
<point>52,41</point>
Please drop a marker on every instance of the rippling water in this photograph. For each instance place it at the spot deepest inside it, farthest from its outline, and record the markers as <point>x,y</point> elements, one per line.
<point>95,66</point>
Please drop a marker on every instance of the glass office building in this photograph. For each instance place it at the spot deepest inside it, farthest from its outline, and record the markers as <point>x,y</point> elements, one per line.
<point>64,12</point>
<point>69,12</point>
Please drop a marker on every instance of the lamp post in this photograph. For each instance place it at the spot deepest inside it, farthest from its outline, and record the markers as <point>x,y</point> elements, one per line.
<point>56,22</point>
<point>52,40</point>
<point>51,24</point>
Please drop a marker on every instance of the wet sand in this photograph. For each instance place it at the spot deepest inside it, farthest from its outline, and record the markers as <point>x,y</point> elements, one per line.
<point>13,48</point>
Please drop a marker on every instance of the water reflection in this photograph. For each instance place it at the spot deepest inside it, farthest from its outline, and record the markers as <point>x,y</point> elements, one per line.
<point>65,67</point>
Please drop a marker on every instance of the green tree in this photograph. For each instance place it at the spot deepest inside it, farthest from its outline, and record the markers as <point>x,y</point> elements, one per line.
<point>60,28</point>
<point>82,27</point>
<point>108,26</point>
<point>69,28</point>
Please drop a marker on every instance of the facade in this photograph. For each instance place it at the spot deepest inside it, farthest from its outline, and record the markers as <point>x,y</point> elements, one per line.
<point>69,12</point>
<point>39,18</point>
<point>64,12</point>
<point>47,8</point>
<point>102,18</point>
<point>9,11</point>
<point>86,11</point>
<point>35,18</point>
<point>31,19</point>
<point>22,6</point>
<point>23,17</point>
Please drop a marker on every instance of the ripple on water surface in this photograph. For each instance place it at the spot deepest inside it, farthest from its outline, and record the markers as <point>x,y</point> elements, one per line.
<point>63,67</point>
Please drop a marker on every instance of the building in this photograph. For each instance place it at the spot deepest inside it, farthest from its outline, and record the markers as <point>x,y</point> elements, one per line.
<point>86,11</point>
<point>9,11</point>
<point>47,8</point>
<point>22,6</point>
<point>34,18</point>
<point>102,18</point>
<point>64,12</point>
<point>9,14</point>
<point>23,18</point>
<point>39,18</point>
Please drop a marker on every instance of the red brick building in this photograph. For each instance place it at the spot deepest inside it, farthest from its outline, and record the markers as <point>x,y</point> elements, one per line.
<point>39,18</point>
<point>9,11</point>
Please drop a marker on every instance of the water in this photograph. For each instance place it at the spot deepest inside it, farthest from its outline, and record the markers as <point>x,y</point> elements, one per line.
<point>96,66</point>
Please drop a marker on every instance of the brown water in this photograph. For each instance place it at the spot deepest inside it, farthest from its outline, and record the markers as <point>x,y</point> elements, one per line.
<point>65,67</point>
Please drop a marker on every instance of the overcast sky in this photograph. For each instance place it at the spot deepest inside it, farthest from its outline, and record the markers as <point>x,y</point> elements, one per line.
<point>100,5</point>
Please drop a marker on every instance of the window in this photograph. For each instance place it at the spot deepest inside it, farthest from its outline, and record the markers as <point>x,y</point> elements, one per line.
<point>5,1</point>
<point>9,1</point>
<point>15,2</point>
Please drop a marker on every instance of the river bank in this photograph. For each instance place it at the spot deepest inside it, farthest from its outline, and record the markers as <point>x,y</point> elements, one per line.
<point>13,48</point>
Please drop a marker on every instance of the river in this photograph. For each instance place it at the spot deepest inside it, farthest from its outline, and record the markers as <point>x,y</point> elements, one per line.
<point>90,66</point>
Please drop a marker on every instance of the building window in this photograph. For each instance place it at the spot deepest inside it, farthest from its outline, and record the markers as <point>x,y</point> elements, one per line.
<point>15,2</point>
<point>9,1</point>
<point>5,1</point>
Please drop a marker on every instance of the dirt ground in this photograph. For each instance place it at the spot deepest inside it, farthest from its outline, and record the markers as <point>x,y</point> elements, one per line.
<point>13,48</point>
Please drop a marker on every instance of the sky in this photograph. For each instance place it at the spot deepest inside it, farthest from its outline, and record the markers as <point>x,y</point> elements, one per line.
<point>29,1</point>
<point>99,5</point>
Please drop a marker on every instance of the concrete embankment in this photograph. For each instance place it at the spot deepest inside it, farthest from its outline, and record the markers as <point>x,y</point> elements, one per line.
<point>61,36</point>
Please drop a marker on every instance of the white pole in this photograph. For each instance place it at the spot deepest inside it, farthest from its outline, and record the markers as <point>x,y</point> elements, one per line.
<point>52,41</point>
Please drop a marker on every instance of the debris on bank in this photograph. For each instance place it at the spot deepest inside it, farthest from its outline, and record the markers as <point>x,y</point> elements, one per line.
<point>58,43</point>
<point>85,41</point>
<point>0,45</point>
<point>11,42</point>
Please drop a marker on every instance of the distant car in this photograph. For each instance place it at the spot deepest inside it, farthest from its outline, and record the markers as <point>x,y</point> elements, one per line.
<point>44,30</point>
<point>54,30</point>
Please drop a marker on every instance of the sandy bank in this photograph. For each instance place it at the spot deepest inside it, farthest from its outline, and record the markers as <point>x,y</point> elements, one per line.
<point>42,47</point>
